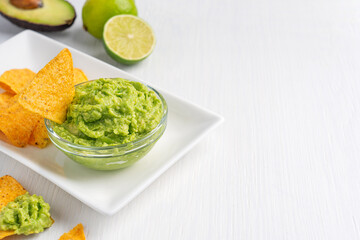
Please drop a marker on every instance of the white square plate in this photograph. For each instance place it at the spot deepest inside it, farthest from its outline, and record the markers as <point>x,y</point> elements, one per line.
<point>106,192</point>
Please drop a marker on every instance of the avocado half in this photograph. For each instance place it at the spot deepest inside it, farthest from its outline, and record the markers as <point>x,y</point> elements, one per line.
<point>50,15</point>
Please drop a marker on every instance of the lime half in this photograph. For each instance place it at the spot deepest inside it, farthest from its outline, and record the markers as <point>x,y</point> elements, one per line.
<point>128,39</point>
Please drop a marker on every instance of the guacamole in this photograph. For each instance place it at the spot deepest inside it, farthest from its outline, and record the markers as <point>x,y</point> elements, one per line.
<point>108,112</point>
<point>25,215</point>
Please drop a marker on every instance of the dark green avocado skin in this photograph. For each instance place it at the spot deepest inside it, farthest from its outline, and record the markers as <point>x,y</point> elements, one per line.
<point>39,27</point>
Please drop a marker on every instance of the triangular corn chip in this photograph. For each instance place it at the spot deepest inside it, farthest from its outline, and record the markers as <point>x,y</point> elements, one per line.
<point>9,190</point>
<point>5,99</point>
<point>17,123</point>
<point>52,89</point>
<point>16,80</point>
<point>80,76</point>
<point>77,233</point>
<point>39,136</point>
<point>4,234</point>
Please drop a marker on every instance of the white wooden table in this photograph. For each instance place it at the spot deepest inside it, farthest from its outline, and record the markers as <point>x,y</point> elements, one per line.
<point>285,74</point>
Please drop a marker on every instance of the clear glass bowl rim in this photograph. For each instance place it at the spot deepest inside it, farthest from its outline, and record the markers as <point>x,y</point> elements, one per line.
<point>139,143</point>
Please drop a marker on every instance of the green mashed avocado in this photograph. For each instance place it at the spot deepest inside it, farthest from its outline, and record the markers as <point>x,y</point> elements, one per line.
<point>25,215</point>
<point>108,112</point>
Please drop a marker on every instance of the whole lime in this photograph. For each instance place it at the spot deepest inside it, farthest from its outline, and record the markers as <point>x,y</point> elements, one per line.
<point>95,13</point>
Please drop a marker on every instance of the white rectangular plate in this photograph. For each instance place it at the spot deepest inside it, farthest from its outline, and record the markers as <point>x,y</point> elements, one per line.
<point>106,192</point>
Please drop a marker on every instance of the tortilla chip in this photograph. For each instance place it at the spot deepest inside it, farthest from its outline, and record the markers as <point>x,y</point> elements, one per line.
<point>3,137</point>
<point>9,190</point>
<point>16,80</point>
<point>52,89</point>
<point>77,233</point>
<point>5,99</point>
<point>79,76</point>
<point>39,136</point>
<point>17,123</point>
<point>4,234</point>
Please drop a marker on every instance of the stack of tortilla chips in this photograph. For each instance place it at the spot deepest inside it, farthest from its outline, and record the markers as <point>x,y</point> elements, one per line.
<point>30,97</point>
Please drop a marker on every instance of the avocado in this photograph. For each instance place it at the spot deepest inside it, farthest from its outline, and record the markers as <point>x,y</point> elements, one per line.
<point>47,16</point>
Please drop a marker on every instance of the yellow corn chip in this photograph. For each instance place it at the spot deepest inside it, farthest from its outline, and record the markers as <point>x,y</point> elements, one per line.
<point>17,123</point>
<point>4,234</point>
<point>5,99</point>
<point>39,136</point>
<point>79,76</point>
<point>52,89</point>
<point>4,138</point>
<point>16,80</point>
<point>77,233</point>
<point>9,190</point>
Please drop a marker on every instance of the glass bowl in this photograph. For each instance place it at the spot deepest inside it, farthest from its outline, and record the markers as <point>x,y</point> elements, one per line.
<point>111,157</point>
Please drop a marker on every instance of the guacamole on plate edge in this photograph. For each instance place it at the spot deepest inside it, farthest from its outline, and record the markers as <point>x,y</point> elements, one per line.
<point>110,111</point>
<point>26,215</point>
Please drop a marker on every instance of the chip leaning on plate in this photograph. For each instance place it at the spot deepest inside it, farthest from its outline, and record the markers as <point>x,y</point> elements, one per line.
<point>20,124</point>
<point>52,89</point>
